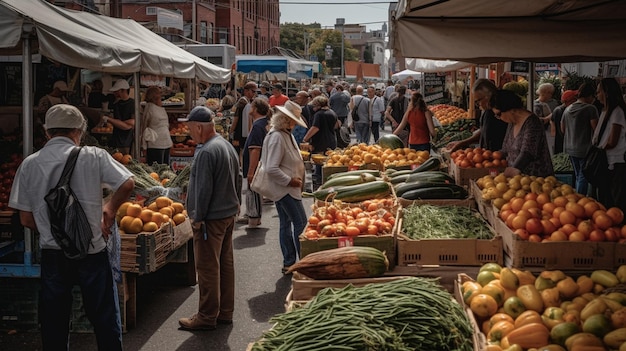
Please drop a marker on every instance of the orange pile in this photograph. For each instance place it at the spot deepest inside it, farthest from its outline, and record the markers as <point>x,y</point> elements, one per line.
<point>478,158</point>
<point>447,114</point>
<point>360,154</point>
<point>132,218</point>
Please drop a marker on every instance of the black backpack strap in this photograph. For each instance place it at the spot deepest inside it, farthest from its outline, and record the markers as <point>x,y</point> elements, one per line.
<point>69,167</point>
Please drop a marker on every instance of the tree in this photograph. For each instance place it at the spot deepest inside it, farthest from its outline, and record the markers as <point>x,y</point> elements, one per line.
<point>367,55</point>
<point>292,36</point>
<point>333,39</point>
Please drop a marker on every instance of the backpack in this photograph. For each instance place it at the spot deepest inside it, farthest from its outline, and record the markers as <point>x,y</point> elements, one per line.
<point>68,222</point>
<point>355,111</point>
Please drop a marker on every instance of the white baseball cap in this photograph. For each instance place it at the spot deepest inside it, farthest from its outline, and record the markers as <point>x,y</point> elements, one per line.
<point>120,84</point>
<point>65,116</point>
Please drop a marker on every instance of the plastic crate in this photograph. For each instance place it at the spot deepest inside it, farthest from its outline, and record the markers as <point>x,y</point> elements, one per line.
<point>19,303</point>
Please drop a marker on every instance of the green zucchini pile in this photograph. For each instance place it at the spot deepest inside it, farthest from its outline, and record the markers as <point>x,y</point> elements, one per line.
<point>408,314</point>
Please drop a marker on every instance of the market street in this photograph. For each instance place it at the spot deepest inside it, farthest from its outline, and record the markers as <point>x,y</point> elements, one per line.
<point>261,290</point>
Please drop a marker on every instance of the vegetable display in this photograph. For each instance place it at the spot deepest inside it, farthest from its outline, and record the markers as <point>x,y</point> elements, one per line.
<point>349,262</point>
<point>562,163</point>
<point>384,157</point>
<point>439,222</point>
<point>519,310</point>
<point>406,314</point>
<point>458,130</point>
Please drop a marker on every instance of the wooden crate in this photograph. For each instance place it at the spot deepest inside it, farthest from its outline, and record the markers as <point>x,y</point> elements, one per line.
<point>469,202</point>
<point>565,255</point>
<point>480,340</point>
<point>462,176</point>
<point>146,252</point>
<point>181,234</point>
<point>485,207</point>
<point>304,288</point>
<point>384,243</point>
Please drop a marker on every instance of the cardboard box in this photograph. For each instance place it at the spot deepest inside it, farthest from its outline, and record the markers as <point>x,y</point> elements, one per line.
<point>480,340</point>
<point>146,252</point>
<point>304,288</point>
<point>469,202</point>
<point>384,243</point>
<point>620,254</point>
<point>462,176</point>
<point>327,171</point>
<point>182,152</point>
<point>181,234</point>
<point>564,255</point>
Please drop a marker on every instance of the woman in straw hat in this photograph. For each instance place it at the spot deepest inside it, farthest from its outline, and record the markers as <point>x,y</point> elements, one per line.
<point>285,168</point>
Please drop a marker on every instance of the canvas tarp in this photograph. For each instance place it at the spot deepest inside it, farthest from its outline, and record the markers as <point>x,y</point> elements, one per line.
<point>406,74</point>
<point>100,43</point>
<point>485,31</point>
<point>434,66</point>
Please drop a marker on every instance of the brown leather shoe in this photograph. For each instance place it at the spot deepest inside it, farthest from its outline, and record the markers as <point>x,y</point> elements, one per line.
<point>194,323</point>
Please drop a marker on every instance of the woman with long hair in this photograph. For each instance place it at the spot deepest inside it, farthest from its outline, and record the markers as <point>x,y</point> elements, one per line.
<point>420,120</point>
<point>610,135</point>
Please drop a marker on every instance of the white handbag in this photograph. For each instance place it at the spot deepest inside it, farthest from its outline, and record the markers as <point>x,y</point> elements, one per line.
<point>261,183</point>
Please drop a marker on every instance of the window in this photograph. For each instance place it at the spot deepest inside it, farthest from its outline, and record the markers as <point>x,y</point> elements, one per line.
<point>223,35</point>
<point>203,32</point>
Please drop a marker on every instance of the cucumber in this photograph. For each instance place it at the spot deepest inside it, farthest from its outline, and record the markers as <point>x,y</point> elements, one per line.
<point>373,172</point>
<point>432,164</point>
<point>404,187</point>
<point>432,176</point>
<point>349,180</point>
<point>354,193</point>
<point>450,191</point>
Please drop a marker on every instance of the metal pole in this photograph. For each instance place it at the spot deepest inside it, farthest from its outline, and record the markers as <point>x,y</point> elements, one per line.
<point>27,118</point>
<point>193,20</point>
<point>342,49</point>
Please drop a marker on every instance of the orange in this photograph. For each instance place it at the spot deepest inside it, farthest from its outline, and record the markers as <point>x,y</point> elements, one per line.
<point>117,156</point>
<point>126,159</point>
<point>590,207</point>
<point>163,201</point>
<point>155,176</point>
<point>575,208</point>
<point>167,211</point>
<point>560,201</point>
<point>178,207</point>
<point>133,210</point>
<point>153,206</point>
<point>517,204</point>
<point>121,211</point>
<point>135,226</point>
<point>157,217</point>
<point>126,221</point>
<point>567,217</point>
<point>150,227</point>
<point>146,215</point>
<point>616,215</point>
<point>179,218</point>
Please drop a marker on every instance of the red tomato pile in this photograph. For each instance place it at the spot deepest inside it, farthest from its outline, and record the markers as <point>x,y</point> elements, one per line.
<point>571,217</point>
<point>371,217</point>
<point>478,158</point>
<point>7,174</point>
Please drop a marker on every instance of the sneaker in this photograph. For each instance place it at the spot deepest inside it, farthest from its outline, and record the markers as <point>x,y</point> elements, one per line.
<point>267,201</point>
<point>285,269</point>
<point>242,220</point>
<point>194,323</point>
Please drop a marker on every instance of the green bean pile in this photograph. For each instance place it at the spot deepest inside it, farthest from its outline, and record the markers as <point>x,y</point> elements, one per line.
<point>562,163</point>
<point>402,315</point>
<point>444,222</point>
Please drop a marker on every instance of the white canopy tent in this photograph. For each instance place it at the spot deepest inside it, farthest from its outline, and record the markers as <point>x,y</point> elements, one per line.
<point>406,74</point>
<point>433,66</point>
<point>486,31</point>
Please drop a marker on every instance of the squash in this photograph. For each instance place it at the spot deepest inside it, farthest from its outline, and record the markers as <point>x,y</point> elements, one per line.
<point>527,317</point>
<point>562,331</point>
<point>500,330</point>
<point>620,274</point>
<point>618,319</point>
<point>469,289</point>
<point>514,307</point>
<point>567,288</point>
<point>492,347</point>
<point>595,306</point>
<point>531,298</point>
<point>552,316</point>
<point>551,347</point>
<point>585,284</point>
<point>583,339</point>
<point>343,263</point>
<point>432,164</point>
<point>509,279</point>
<point>494,290</point>
<point>499,317</point>
<point>605,278</point>
<point>390,141</point>
<point>551,297</point>
<point>530,335</point>
<point>615,338</point>
<point>597,324</point>
<point>354,193</point>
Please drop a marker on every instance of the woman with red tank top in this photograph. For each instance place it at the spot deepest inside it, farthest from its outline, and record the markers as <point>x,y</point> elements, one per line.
<point>420,120</point>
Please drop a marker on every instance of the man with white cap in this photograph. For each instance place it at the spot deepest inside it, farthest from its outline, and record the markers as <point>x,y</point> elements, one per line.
<point>95,168</point>
<point>56,96</point>
<point>123,119</point>
<point>213,199</point>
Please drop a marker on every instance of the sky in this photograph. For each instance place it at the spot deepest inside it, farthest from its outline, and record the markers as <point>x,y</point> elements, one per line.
<point>371,13</point>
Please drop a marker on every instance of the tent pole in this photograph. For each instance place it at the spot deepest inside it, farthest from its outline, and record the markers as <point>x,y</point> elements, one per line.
<point>27,120</point>
<point>531,86</point>
<point>470,104</point>
<point>136,151</point>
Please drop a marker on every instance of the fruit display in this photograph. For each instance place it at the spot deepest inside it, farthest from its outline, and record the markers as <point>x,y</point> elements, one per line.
<point>179,129</point>
<point>458,130</point>
<point>121,158</point>
<point>390,141</point>
<point>7,174</point>
<point>521,310</point>
<point>500,189</point>
<point>478,158</point>
<point>361,154</point>
<point>213,103</point>
<point>132,218</point>
<point>447,114</point>
<point>106,128</point>
<point>369,217</point>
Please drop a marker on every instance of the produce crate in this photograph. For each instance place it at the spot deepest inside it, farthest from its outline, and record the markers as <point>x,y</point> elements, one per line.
<point>183,152</point>
<point>480,340</point>
<point>447,252</point>
<point>485,207</point>
<point>328,170</point>
<point>19,303</point>
<point>10,226</point>
<point>620,254</point>
<point>565,255</point>
<point>469,202</point>
<point>182,234</point>
<point>146,252</point>
<point>384,243</point>
<point>566,178</point>
<point>462,176</point>
<point>304,288</point>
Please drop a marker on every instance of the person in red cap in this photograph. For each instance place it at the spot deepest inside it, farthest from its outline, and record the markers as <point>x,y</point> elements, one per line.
<point>567,98</point>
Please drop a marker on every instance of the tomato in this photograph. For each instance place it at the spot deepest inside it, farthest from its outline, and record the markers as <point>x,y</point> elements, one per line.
<point>534,226</point>
<point>522,233</point>
<point>352,231</point>
<point>372,229</point>
<point>616,215</point>
<point>483,305</point>
<point>314,220</point>
<point>513,306</point>
<point>519,222</point>
<point>597,235</point>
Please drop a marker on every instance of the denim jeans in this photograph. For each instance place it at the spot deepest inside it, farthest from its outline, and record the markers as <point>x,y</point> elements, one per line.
<point>93,275</point>
<point>581,182</point>
<point>362,131</point>
<point>420,147</point>
<point>292,220</point>
<point>376,131</point>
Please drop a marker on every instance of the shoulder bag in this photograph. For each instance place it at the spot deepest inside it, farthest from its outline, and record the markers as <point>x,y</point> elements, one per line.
<point>355,111</point>
<point>596,167</point>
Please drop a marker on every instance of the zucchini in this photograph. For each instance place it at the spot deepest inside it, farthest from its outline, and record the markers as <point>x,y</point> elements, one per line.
<point>430,176</point>
<point>432,164</point>
<point>349,179</point>
<point>404,187</point>
<point>399,179</point>
<point>354,193</point>
<point>373,172</point>
<point>449,191</point>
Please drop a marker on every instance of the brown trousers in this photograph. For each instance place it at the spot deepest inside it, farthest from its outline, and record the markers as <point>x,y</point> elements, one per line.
<point>215,268</point>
